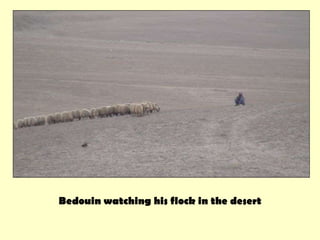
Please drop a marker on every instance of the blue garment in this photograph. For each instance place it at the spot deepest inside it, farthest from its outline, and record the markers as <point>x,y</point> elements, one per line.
<point>239,100</point>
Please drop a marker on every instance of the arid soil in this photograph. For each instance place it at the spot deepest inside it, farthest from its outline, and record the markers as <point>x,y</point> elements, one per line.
<point>193,64</point>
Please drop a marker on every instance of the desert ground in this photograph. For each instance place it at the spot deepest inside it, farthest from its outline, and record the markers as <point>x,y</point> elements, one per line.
<point>192,63</point>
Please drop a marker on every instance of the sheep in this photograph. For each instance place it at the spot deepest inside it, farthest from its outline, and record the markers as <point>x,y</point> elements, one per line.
<point>76,114</point>
<point>121,109</point>
<point>102,111</point>
<point>110,111</point>
<point>106,111</point>
<point>57,117</point>
<point>125,108</point>
<point>116,109</point>
<point>50,119</point>
<point>20,123</point>
<point>27,121</point>
<point>66,116</point>
<point>131,107</point>
<point>30,121</point>
<point>40,120</point>
<point>33,121</point>
<point>136,109</point>
<point>152,107</point>
<point>84,113</point>
<point>139,111</point>
<point>147,107</point>
<point>93,113</point>
<point>157,107</point>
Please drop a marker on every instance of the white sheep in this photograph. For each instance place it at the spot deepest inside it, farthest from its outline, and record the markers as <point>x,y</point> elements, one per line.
<point>147,107</point>
<point>76,114</point>
<point>106,111</point>
<point>121,109</point>
<point>116,109</point>
<point>153,107</point>
<point>50,119</point>
<point>110,111</point>
<point>66,116</point>
<point>57,117</point>
<point>136,109</point>
<point>40,120</point>
<point>20,123</point>
<point>156,107</point>
<point>32,121</point>
<point>93,113</point>
<point>139,111</point>
<point>84,113</point>
<point>131,107</point>
<point>27,121</point>
<point>102,111</point>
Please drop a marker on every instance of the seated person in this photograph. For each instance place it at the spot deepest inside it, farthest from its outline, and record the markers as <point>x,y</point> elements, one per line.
<point>239,99</point>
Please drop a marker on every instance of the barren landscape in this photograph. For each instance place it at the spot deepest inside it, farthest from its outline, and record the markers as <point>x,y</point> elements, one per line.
<point>192,63</point>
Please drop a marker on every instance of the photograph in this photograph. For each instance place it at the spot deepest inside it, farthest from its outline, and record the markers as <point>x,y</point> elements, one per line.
<point>161,94</point>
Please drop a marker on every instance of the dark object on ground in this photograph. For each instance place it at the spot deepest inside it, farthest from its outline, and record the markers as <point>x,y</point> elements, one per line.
<point>239,99</point>
<point>84,145</point>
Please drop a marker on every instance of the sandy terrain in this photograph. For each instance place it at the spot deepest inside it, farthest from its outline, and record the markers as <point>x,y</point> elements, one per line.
<point>192,64</point>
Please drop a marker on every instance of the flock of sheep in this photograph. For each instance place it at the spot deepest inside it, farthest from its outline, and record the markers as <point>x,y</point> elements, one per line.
<point>135,109</point>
